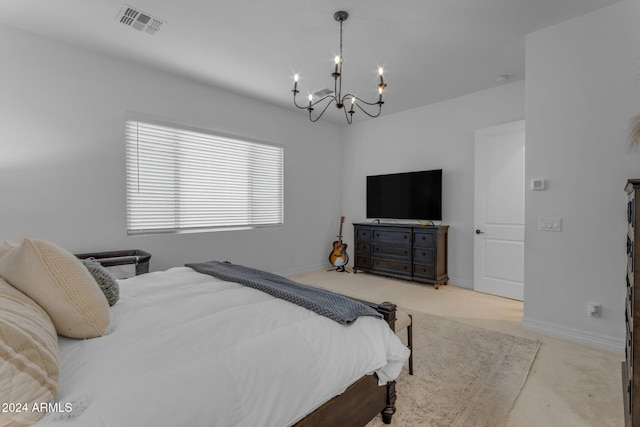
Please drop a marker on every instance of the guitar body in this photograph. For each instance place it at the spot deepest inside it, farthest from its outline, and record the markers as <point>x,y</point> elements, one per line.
<point>338,256</point>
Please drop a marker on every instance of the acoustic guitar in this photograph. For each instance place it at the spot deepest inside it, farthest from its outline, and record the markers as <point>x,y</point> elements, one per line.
<point>338,256</point>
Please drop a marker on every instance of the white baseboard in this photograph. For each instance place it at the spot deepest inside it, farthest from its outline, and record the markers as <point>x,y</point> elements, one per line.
<point>600,341</point>
<point>461,283</point>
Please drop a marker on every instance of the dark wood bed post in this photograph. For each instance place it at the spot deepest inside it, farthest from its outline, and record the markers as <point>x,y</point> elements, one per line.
<point>388,311</point>
<point>390,409</point>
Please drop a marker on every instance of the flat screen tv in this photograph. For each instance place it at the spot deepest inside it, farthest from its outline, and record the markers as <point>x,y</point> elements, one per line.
<point>409,195</point>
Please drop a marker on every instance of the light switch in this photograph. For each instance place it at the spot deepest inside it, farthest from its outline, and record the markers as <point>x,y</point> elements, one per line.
<point>550,224</point>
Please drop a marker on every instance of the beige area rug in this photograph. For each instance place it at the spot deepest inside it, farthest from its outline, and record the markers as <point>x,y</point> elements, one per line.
<point>463,375</point>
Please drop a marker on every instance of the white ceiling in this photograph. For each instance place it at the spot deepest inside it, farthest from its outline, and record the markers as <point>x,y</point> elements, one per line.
<point>431,50</point>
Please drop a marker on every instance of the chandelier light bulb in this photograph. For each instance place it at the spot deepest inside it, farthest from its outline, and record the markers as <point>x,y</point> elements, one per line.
<point>380,70</point>
<point>353,103</point>
<point>337,59</point>
<point>295,83</point>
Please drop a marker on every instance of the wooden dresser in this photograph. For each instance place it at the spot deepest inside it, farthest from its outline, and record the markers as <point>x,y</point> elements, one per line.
<point>405,251</point>
<point>631,366</point>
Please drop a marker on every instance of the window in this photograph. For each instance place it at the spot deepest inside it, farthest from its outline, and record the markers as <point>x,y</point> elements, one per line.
<point>181,180</point>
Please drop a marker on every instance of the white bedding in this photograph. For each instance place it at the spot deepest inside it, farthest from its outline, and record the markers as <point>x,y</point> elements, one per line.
<point>185,349</point>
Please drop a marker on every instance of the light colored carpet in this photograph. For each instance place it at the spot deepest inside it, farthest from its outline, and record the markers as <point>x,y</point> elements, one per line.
<point>463,375</point>
<point>570,385</point>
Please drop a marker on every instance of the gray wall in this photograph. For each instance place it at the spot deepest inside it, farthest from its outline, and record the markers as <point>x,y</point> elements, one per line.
<point>437,136</point>
<point>582,90</point>
<point>62,175</point>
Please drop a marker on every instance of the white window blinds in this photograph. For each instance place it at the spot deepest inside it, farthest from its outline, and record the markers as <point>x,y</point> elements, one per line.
<point>181,180</point>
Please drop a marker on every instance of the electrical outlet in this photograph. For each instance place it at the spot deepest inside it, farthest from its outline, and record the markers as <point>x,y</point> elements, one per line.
<point>593,309</point>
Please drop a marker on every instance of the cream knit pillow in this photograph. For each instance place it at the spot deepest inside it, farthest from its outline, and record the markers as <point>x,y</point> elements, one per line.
<point>29,358</point>
<point>60,284</point>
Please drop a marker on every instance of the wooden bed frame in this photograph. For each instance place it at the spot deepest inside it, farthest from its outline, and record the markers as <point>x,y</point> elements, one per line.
<point>362,400</point>
<point>359,403</point>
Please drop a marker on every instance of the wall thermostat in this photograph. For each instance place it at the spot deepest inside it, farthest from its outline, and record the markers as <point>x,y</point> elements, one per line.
<point>537,184</point>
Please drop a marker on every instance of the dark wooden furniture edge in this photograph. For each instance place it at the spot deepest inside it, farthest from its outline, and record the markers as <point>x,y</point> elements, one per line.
<point>631,364</point>
<point>362,400</point>
<point>625,394</point>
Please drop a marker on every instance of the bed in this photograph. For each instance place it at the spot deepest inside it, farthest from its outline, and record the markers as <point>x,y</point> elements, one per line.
<point>186,348</point>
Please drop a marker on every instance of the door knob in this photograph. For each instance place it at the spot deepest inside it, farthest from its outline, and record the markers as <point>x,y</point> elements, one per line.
<point>479,232</point>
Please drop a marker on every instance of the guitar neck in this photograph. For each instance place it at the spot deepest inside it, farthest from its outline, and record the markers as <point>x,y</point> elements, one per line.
<point>340,232</point>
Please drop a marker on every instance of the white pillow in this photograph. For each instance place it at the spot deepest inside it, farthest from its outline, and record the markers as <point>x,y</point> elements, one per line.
<point>29,358</point>
<point>57,280</point>
<point>6,246</point>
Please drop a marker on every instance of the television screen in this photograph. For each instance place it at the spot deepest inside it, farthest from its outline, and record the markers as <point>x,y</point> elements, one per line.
<point>410,195</point>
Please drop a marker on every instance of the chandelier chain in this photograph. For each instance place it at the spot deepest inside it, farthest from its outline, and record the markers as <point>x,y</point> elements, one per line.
<point>339,80</point>
<point>341,41</point>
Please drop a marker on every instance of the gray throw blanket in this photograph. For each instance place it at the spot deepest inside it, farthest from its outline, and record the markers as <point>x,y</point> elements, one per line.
<point>326,303</point>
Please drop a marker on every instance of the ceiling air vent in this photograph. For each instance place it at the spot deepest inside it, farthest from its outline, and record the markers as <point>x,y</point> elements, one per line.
<point>322,93</point>
<point>138,20</point>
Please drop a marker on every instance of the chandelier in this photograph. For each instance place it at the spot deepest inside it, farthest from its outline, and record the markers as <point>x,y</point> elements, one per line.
<point>337,97</point>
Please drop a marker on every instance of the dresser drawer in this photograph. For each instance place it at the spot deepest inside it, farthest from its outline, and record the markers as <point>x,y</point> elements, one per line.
<point>424,271</point>
<point>424,255</point>
<point>362,261</point>
<point>425,238</point>
<point>397,267</point>
<point>392,237</point>
<point>363,248</point>
<point>400,253</point>
<point>363,234</point>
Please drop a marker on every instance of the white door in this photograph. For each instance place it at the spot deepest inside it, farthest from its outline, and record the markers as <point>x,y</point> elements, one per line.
<point>499,210</point>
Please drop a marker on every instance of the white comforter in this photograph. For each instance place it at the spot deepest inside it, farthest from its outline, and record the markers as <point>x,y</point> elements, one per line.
<point>185,349</point>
